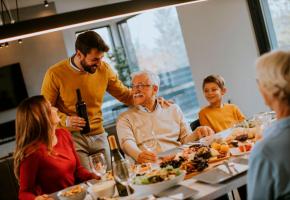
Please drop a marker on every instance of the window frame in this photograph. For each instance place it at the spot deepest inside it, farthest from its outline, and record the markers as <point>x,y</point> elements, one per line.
<point>259,25</point>
<point>99,27</point>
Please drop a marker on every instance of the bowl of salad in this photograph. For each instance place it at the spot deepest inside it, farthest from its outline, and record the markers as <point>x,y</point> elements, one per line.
<point>157,180</point>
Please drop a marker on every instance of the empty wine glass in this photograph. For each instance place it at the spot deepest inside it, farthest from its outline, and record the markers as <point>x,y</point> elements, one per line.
<point>122,173</point>
<point>149,141</point>
<point>98,164</point>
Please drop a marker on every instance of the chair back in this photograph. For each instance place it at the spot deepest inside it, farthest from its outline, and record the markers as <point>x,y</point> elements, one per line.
<point>194,124</point>
<point>8,183</point>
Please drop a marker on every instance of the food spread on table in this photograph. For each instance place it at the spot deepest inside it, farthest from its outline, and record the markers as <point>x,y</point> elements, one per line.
<point>195,158</point>
<point>72,191</point>
<point>206,155</point>
<point>157,175</point>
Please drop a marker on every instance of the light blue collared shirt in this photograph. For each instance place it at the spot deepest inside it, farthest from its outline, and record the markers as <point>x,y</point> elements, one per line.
<point>269,168</point>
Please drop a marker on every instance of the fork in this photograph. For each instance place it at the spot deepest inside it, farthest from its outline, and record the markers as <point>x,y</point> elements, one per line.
<point>228,167</point>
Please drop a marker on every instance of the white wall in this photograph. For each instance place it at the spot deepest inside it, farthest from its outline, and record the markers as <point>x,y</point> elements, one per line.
<point>35,55</point>
<point>219,38</point>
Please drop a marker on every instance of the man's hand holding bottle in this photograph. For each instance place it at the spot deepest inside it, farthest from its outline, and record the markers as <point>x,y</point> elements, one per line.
<point>75,123</point>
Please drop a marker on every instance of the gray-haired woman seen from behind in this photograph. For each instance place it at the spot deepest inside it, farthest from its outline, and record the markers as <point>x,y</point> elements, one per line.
<point>269,170</point>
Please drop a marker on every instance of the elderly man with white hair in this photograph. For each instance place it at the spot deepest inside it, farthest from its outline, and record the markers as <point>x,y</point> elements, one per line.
<point>148,124</point>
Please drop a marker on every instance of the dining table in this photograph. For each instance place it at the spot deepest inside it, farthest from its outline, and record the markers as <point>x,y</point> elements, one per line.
<point>198,190</point>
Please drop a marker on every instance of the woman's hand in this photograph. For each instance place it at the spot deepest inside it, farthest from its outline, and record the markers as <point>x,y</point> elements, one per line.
<point>94,176</point>
<point>44,197</point>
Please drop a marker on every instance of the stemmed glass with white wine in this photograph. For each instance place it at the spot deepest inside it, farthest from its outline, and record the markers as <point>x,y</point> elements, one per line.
<point>149,141</point>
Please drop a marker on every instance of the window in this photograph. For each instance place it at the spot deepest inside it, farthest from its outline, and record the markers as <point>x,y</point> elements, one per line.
<point>159,48</point>
<point>154,41</point>
<point>110,104</point>
<point>277,17</point>
<point>105,33</point>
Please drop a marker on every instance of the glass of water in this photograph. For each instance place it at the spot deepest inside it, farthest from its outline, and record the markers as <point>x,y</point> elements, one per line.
<point>98,164</point>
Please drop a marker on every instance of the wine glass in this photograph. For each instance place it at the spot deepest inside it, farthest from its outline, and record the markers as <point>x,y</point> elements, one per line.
<point>122,173</point>
<point>98,164</point>
<point>149,141</point>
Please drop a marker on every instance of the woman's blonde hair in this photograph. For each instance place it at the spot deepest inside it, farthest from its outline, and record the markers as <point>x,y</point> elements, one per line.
<point>273,72</point>
<point>33,126</point>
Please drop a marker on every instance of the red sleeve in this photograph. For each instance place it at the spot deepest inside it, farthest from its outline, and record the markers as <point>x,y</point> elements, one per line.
<point>81,173</point>
<point>27,179</point>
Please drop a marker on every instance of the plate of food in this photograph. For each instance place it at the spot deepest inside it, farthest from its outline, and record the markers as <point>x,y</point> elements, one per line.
<point>240,135</point>
<point>219,150</point>
<point>157,180</point>
<point>242,149</point>
<point>77,192</point>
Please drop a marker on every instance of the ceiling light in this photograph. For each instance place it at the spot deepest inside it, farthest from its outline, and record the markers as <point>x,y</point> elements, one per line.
<point>20,41</point>
<point>45,3</point>
<point>28,29</point>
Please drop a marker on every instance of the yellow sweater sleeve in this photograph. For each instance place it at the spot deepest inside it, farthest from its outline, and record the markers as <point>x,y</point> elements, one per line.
<point>50,91</point>
<point>118,90</point>
<point>240,115</point>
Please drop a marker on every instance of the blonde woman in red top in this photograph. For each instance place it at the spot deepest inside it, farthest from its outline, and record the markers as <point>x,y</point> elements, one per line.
<point>45,160</point>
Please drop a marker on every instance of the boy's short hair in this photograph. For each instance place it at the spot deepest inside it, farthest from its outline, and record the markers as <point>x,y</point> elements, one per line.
<point>217,79</point>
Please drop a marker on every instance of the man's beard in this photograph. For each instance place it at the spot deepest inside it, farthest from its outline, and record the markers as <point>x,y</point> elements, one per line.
<point>89,68</point>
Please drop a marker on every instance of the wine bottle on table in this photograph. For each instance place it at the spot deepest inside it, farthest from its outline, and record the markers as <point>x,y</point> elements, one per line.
<point>117,158</point>
<point>81,109</point>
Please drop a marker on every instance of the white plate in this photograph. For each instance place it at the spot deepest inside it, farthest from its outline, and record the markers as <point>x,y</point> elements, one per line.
<point>237,152</point>
<point>77,196</point>
<point>221,173</point>
<point>155,188</point>
<point>207,140</point>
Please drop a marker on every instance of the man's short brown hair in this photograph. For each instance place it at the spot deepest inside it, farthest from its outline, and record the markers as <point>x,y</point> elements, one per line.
<point>90,40</point>
<point>217,79</point>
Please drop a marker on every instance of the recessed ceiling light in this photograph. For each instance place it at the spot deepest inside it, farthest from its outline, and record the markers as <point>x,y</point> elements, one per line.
<point>45,3</point>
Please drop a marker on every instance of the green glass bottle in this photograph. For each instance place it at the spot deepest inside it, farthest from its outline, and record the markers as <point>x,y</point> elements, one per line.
<point>116,157</point>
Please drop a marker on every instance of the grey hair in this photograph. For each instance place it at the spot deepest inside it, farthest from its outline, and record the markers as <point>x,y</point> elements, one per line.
<point>154,79</point>
<point>273,71</point>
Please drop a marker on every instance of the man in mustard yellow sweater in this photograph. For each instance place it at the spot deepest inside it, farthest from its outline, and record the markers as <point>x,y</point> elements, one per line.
<point>84,70</point>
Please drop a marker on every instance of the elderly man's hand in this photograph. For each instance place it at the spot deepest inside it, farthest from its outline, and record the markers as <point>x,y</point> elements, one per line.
<point>203,131</point>
<point>147,157</point>
<point>164,103</point>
